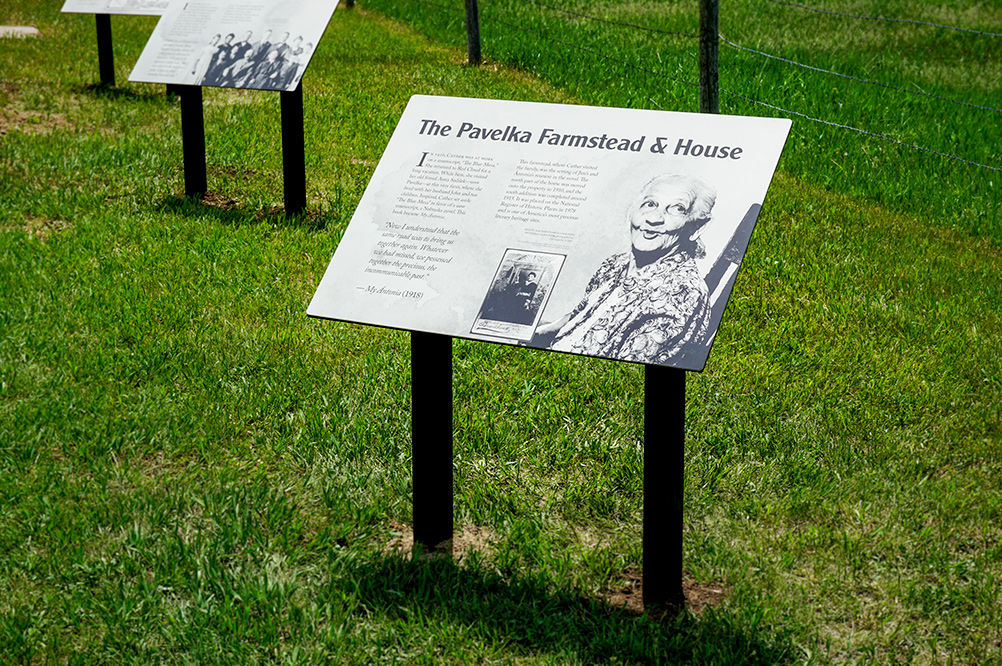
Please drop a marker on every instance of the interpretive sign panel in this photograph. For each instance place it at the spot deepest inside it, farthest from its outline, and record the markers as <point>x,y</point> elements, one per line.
<point>264,44</point>
<point>133,7</point>
<point>604,232</point>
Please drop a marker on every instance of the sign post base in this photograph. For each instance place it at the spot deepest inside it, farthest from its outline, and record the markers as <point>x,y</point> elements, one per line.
<point>193,141</point>
<point>293,150</point>
<point>105,56</point>
<point>664,473</point>
<point>431,428</point>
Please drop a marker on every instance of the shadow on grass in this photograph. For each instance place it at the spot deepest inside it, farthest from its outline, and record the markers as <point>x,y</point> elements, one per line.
<point>529,614</point>
<point>229,211</point>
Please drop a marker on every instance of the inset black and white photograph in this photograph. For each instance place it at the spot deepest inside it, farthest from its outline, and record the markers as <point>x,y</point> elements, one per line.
<point>229,44</point>
<point>517,294</point>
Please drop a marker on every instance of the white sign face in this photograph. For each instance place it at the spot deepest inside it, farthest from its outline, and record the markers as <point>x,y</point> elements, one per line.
<point>614,233</point>
<point>265,44</point>
<point>134,7</point>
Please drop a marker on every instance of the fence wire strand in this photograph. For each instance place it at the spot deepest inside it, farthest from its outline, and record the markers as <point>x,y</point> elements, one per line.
<point>855,78</point>
<point>594,52</point>
<point>885,18</point>
<point>860,131</point>
<point>440,6</point>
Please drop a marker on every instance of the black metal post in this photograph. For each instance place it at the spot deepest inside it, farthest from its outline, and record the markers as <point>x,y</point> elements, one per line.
<point>664,473</point>
<point>105,56</point>
<point>709,52</point>
<point>431,430</point>
<point>293,150</point>
<point>193,141</point>
<point>473,32</point>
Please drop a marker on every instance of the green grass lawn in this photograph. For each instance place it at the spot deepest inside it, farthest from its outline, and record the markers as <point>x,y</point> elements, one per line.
<point>192,471</point>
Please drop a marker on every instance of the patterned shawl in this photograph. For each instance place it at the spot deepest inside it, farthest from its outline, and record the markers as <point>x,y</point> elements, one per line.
<point>645,315</point>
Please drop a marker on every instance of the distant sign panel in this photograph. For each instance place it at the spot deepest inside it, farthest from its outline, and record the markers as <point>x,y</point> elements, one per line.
<point>264,45</point>
<point>135,7</point>
<point>604,232</point>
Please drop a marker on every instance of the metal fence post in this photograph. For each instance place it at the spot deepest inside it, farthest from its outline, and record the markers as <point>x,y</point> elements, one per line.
<point>473,32</point>
<point>709,51</point>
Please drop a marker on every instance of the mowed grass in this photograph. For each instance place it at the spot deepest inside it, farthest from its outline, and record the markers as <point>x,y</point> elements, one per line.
<point>191,471</point>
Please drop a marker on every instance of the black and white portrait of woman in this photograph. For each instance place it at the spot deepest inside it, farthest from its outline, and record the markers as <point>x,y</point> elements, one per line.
<point>649,304</point>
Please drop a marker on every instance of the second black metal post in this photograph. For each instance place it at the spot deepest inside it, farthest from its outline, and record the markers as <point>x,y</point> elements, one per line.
<point>193,141</point>
<point>293,150</point>
<point>664,473</point>
<point>105,55</point>
<point>431,431</point>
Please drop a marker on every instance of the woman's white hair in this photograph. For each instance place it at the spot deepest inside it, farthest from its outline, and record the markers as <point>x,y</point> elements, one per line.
<point>702,196</point>
<point>702,193</point>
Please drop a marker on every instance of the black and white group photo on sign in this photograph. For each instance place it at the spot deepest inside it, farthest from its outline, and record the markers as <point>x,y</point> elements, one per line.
<point>613,233</point>
<point>234,44</point>
<point>264,63</point>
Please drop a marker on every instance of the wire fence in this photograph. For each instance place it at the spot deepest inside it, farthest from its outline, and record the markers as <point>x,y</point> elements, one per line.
<point>495,20</point>
<point>855,78</point>
<point>787,61</point>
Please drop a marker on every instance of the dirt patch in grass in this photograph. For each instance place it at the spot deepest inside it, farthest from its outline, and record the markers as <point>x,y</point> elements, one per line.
<point>31,122</point>
<point>41,228</point>
<point>245,174</point>
<point>465,540</point>
<point>312,217</point>
<point>269,211</point>
<point>628,594</point>
<point>220,201</point>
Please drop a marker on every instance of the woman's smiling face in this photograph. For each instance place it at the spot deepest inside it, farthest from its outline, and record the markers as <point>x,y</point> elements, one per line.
<point>660,213</point>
